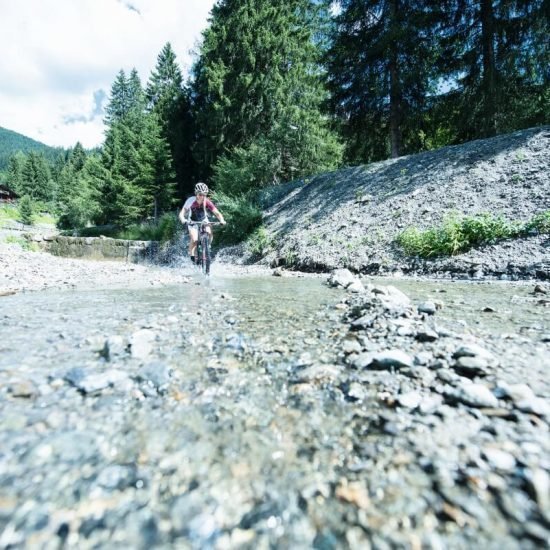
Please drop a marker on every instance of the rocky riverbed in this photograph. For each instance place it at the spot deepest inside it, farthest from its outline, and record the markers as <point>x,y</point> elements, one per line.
<point>154,408</point>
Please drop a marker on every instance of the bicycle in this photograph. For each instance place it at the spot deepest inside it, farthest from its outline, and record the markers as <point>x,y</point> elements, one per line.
<point>202,252</point>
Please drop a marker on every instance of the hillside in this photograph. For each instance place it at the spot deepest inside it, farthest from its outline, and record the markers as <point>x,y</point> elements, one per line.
<point>351,217</point>
<point>11,142</point>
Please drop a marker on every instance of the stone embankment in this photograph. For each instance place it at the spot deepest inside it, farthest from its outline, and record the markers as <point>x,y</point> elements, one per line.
<point>98,248</point>
<point>351,217</point>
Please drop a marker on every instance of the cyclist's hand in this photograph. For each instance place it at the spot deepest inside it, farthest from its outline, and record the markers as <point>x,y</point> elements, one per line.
<point>223,222</point>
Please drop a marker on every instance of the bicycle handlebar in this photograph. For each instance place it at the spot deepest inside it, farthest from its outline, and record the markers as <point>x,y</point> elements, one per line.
<point>189,222</point>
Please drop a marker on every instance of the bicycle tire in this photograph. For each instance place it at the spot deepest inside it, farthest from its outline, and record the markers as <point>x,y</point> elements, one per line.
<point>205,245</point>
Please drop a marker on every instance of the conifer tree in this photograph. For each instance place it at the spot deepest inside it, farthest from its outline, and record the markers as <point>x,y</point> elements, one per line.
<point>168,99</point>
<point>258,83</point>
<point>381,72</point>
<point>36,178</point>
<point>14,177</point>
<point>497,54</point>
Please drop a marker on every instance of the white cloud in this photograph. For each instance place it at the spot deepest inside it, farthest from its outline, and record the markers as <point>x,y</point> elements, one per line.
<point>59,56</point>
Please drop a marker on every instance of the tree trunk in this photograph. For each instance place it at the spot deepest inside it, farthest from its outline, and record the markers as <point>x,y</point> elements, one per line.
<point>396,98</point>
<point>489,70</point>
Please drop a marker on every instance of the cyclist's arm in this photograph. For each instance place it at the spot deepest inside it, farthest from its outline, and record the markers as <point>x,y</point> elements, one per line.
<point>184,212</point>
<point>218,215</point>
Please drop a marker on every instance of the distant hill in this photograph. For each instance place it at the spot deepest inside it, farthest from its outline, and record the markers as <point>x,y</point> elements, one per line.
<point>11,142</point>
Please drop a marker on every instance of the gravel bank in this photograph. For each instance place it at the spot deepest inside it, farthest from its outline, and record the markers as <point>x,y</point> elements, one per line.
<point>22,270</point>
<point>351,217</point>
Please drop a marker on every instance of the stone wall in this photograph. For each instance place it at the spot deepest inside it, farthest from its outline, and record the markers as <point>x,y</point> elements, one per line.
<point>98,248</point>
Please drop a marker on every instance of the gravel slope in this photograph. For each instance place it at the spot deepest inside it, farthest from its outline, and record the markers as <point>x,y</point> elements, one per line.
<point>350,218</point>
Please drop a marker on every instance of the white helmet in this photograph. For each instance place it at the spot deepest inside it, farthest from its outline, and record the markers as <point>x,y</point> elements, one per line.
<point>201,188</point>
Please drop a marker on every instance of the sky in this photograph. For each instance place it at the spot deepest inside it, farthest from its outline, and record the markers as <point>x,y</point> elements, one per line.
<point>59,58</point>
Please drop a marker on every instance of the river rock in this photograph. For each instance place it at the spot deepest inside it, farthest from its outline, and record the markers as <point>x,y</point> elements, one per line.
<point>91,381</point>
<point>538,406</point>
<point>474,350</point>
<point>471,366</point>
<point>114,345</point>
<point>141,343</point>
<point>499,459</point>
<point>426,335</point>
<point>341,277</point>
<point>427,307</point>
<point>394,358</point>
<point>474,395</point>
<point>410,400</point>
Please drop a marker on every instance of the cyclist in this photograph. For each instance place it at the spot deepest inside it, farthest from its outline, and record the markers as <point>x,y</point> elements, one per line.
<point>195,209</point>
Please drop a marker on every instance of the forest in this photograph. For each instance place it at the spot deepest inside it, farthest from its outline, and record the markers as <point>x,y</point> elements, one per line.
<point>280,91</point>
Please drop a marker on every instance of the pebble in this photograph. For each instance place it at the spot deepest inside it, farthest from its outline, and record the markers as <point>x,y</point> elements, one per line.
<point>427,307</point>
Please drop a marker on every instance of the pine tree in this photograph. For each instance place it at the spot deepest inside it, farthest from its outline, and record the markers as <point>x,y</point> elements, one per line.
<point>118,106</point>
<point>381,72</point>
<point>497,53</point>
<point>169,100</point>
<point>26,210</point>
<point>36,178</point>
<point>14,177</point>
<point>136,159</point>
<point>258,83</point>
<point>156,176</point>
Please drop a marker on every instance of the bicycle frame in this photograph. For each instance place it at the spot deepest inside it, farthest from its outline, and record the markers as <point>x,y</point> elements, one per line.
<point>202,252</point>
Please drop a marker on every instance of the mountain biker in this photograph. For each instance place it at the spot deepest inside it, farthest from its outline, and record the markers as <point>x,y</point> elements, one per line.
<point>195,209</point>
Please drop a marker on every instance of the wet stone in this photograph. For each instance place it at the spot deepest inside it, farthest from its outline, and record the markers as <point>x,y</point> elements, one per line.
<point>427,335</point>
<point>427,307</point>
<point>499,459</point>
<point>471,366</point>
<point>91,381</point>
<point>22,388</point>
<point>389,359</point>
<point>475,395</point>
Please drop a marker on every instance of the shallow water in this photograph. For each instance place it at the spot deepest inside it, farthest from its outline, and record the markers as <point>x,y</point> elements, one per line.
<point>238,441</point>
<point>265,307</point>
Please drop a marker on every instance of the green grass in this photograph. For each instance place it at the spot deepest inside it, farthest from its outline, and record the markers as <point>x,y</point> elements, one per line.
<point>460,233</point>
<point>23,243</point>
<point>8,212</point>
<point>11,213</point>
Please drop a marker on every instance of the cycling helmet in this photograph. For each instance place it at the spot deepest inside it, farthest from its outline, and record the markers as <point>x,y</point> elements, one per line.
<point>201,188</point>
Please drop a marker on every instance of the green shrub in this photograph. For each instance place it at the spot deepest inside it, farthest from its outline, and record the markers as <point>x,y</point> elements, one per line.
<point>75,213</point>
<point>163,230</point>
<point>23,243</point>
<point>242,214</point>
<point>457,234</point>
<point>539,223</point>
<point>259,242</point>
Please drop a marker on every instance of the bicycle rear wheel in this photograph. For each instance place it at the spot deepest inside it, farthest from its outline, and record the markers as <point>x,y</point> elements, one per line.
<point>205,254</point>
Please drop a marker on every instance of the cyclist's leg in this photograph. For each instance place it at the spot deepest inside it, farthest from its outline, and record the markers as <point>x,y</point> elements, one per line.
<point>210,234</point>
<point>193,239</point>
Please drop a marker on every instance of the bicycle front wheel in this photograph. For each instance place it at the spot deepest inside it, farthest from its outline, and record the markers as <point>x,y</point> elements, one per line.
<point>205,252</point>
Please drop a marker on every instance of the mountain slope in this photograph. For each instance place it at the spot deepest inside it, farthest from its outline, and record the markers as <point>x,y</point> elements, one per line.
<point>351,217</point>
<point>11,142</point>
